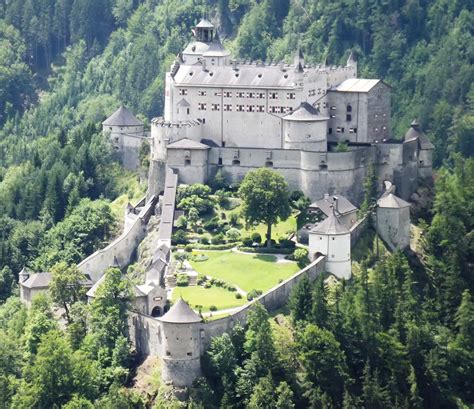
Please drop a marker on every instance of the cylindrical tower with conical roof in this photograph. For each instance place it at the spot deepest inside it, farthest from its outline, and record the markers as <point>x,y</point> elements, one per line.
<point>181,351</point>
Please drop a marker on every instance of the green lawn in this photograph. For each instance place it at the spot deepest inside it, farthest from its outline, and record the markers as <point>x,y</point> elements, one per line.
<point>248,271</point>
<point>278,230</point>
<point>205,297</point>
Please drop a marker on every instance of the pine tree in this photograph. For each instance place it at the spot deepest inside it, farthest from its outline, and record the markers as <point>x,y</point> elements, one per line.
<point>319,311</point>
<point>301,300</point>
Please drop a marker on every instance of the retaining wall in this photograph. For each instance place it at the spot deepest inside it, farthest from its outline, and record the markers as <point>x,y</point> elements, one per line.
<point>358,229</point>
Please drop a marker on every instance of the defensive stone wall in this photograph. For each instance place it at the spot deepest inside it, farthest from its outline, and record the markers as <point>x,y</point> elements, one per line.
<point>146,332</point>
<point>358,228</point>
<point>124,246</point>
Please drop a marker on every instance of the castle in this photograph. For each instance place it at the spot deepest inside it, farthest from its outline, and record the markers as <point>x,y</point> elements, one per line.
<point>320,127</point>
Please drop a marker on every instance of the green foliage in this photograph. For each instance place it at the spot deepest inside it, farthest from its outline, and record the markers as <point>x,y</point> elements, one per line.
<point>265,198</point>
<point>182,280</point>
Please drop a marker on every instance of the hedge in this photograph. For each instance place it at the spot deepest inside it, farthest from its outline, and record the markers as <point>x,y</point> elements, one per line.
<point>265,250</point>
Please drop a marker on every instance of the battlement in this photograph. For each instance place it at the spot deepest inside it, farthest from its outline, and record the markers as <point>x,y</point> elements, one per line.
<point>160,121</point>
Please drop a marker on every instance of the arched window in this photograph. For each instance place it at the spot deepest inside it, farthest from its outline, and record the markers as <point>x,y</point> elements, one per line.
<point>349,108</point>
<point>156,312</point>
<point>269,164</point>
<point>236,162</point>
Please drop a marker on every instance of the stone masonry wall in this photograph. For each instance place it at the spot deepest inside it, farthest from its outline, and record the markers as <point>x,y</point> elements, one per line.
<point>123,247</point>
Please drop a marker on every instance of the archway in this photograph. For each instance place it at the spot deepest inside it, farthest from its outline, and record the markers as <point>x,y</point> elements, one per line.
<point>156,312</point>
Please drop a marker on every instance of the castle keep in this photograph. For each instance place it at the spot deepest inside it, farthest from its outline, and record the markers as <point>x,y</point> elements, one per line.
<point>235,116</point>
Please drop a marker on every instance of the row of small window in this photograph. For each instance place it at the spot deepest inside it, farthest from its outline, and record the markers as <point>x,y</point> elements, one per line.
<point>340,129</point>
<point>241,94</point>
<point>348,116</point>
<point>313,92</point>
<point>202,106</point>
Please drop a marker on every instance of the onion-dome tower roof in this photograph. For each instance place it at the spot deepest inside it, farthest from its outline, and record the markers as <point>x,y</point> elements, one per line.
<point>122,117</point>
<point>181,313</point>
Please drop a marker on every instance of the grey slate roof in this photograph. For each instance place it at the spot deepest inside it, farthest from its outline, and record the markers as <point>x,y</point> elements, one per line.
<point>392,201</point>
<point>167,212</point>
<point>344,206</point>
<point>356,85</point>
<point>181,313</point>
<point>246,76</point>
<point>186,143</point>
<point>122,117</point>
<point>330,225</point>
<point>305,112</point>
<point>183,103</point>
<point>37,280</point>
<point>415,132</point>
<point>206,49</point>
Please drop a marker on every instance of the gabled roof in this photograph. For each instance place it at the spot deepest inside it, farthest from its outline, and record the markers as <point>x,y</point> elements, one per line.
<point>122,117</point>
<point>330,225</point>
<point>183,103</point>
<point>392,201</point>
<point>356,85</point>
<point>181,313</point>
<point>344,206</point>
<point>186,143</point>
<point>305,112</point>
<point>37,280</point>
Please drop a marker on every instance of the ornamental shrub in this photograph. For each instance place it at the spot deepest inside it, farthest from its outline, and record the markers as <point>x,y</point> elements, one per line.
<point>233,234</point>
<point>188,248</point>
<point>212,308</point>
<point>182,280</point>
<point>253,294</point>
<point>256,237</point>
<point>247,241</point>
<point>238,296</point>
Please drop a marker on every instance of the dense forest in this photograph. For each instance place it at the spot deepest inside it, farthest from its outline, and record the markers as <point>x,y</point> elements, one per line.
<point>400,334</point>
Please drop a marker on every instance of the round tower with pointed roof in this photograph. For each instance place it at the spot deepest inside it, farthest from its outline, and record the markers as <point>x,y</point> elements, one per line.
<point>393,221</point>
<point>181,344</point>
<point>126,134</point>
<point>333,239</point>
<point>305,128</point>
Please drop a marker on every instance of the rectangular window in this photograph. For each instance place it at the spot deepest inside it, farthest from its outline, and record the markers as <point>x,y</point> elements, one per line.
<point>333,107</point>
<point>183,91</point>
<point>202,106</point>
<point>227,107</point>
<point>202,93</point>
<point>240,108</point>
<point>228,94</point>
<point>250,108</point>
<point>250,94</point>
<point>329,131</point>
<point>348,117</point>
<point>260,108</point>
<point>290,95</point>
<point>333,116</point>
<point>215,107</point>
<point>273,95</point>
<point>338,129</point>
<point>311,93</point>
<point>261,95</point>
<point>240,94</point>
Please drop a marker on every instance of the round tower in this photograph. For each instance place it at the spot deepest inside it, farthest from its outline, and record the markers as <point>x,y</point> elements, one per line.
<point>126,135</point>
<point>181,346</point>
<point>305,128</point>
<point>333,239</point>
<point>393,221</point>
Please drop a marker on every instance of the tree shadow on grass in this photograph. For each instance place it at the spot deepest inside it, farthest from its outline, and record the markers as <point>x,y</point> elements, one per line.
<point>269,258</point>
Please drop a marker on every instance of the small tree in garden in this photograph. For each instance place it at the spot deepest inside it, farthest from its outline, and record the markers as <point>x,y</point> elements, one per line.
<point>181,257</point>
<point>265,199</point>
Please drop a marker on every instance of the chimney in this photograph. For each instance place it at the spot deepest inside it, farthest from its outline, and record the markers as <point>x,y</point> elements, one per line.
<point>234,65</point>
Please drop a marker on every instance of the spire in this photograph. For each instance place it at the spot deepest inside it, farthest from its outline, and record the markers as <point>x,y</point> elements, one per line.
<point>415,124</point>
<point>299,60</point>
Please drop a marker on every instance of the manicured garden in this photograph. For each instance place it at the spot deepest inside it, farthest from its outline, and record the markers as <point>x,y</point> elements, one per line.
<point>247,271</point>
<point>201,298</point>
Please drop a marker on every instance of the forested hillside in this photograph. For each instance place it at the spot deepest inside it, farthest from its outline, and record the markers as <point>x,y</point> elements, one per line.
<point>402,334</point>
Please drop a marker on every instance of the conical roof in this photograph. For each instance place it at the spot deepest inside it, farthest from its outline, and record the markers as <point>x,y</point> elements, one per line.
<point>122,117</point>
<point>305,112</point>
<point>415,132</point>
<point>330,225</point>
<point>181,313</point>
<point>392,201</point>
<point>204,23</point>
